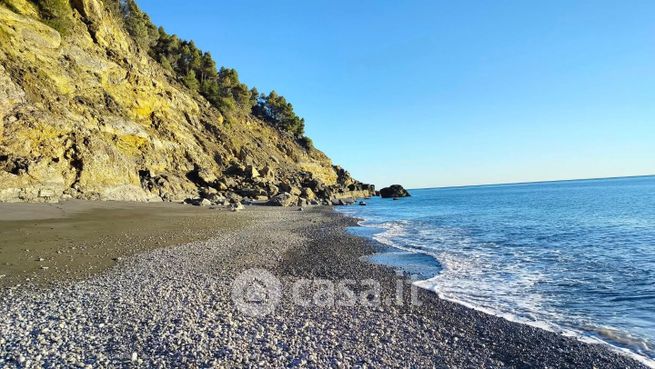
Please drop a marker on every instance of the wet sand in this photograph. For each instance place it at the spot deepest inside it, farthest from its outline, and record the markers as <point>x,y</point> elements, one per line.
<point>45,243</point>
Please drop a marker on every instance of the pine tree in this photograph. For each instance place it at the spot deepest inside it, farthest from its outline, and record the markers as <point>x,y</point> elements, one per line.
<point>254,98</point>
<point>191,81</point>
<point>166,64</point>
<point>222,88</point>
<point>207,68</point>
<point>139,25</point>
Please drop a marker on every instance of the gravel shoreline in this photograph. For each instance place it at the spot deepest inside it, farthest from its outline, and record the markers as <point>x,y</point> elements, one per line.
<point>173,307</point>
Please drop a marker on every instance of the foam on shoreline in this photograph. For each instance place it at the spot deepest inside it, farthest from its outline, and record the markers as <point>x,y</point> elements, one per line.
<point>386,235</point>
<point>547,326</point>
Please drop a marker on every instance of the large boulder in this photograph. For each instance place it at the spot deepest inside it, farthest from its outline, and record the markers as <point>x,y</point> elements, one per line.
<point>251,172</point>
<point>337,202</point>
<point>251,192</point>
<point>394,191</point>
<point>308,193</point>
<point>290,188</point>
<point>206,175</point>
<point>267,172</point>
<point>342,201</point>
<point>283,199</point>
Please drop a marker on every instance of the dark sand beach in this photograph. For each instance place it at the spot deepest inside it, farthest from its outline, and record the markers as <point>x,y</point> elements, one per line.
<point>45,243</point>
<point>152,285</point>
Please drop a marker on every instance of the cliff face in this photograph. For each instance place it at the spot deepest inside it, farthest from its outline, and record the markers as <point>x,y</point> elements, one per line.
<point>86,114</point>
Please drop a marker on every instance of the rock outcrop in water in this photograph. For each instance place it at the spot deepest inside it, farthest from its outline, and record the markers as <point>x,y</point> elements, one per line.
<point>87,114</point>
<point>394,191</point>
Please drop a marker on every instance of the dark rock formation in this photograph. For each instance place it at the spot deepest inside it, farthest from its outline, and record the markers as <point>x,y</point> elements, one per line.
<point>394,191</point>
<point>283,199</point>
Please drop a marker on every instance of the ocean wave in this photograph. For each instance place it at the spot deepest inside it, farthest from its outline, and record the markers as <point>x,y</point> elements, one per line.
<point>510,292</point>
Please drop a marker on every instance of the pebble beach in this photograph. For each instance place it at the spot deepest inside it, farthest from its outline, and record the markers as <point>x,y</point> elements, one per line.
<point>174,306</point>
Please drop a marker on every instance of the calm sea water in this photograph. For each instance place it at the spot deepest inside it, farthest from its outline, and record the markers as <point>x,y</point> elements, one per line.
<point>577,257</point>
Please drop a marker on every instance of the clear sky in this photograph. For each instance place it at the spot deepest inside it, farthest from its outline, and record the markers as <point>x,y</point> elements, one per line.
<point>436,93</point>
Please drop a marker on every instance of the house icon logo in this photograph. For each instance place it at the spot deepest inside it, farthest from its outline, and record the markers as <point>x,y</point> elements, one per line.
<point>256,292</point>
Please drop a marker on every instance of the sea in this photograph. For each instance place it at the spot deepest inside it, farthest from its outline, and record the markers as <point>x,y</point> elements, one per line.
<point>575,257</point>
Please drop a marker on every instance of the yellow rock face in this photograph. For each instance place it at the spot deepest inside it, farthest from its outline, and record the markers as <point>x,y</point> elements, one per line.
<point>87,115</point>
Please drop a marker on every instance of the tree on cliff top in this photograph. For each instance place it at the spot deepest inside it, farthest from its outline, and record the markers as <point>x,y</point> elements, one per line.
<point>197,70</point>
<point>139,25</point>
<point>279,113</point>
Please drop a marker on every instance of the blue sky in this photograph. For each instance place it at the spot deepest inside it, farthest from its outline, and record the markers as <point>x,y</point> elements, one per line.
<point>437,93</point>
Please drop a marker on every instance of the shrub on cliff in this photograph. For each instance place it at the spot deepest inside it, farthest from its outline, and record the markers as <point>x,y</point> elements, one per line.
<point>58,14</point>
<point>306,142</point>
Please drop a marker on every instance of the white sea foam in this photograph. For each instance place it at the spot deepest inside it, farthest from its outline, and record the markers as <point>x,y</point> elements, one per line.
<point>545,325</point>
<point>508,292</point>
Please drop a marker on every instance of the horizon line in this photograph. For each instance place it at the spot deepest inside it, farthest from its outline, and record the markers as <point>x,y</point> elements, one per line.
<point>532,182</point>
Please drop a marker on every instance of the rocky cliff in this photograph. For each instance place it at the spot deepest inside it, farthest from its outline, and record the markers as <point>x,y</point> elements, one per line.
<point>85,113</point>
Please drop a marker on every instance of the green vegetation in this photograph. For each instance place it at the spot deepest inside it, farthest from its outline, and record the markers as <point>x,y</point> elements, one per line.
<point>278,112</point>
<point>306,142</point>
<point>58,14</point>
<point>197,70</point>
<point>138,24</point>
